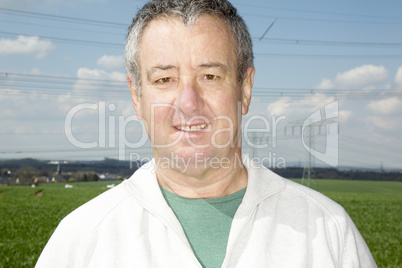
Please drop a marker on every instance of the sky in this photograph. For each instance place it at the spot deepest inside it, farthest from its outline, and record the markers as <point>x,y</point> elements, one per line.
<point>63,94</point>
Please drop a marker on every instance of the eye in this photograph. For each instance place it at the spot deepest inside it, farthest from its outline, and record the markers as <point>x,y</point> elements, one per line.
<point>210,76</point>
<point>164,80</point>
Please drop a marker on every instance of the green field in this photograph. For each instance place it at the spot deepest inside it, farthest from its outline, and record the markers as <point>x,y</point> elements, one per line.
<point>376,209</point>
<point>30,215</point>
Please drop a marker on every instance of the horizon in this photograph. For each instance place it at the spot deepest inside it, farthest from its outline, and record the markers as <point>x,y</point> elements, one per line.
<point>291,164</point>
<point>61,58</point>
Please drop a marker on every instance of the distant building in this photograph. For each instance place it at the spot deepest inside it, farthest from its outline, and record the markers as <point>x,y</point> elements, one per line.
<point>109,177</point>
<point>58,178</point>
<point>5,179</point>
<point>41,179</point>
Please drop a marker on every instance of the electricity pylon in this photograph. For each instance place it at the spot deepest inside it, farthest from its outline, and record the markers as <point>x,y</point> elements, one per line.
<point>307,133</point>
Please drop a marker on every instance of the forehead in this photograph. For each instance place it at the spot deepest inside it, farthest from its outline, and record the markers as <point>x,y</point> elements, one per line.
<point>169,39</point>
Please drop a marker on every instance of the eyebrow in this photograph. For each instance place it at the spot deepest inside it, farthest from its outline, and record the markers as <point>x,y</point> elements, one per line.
<point>208,65</point>
<point>158,68</point>
<point>218,65</point>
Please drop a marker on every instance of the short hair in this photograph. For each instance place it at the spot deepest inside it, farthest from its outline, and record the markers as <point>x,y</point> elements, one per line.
<point>188,11</point>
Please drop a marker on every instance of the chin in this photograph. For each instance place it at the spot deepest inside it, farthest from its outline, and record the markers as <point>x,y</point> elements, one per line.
<point>192,155</point>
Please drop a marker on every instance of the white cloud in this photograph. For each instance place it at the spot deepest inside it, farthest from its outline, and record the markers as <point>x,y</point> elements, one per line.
<point>99,83</point>
<point>26,45</point>
<point>385,106</point>
<point>317,101</point>
<point>326,84</point>
<point>345,115</point>
<point>111,61</point>
<point>366,76</point>
<point>100,74</point>
<point>385,123</point>
<point>398,77</point>
<point>280,107</point>
<point>298,109</point>
<point>21,107</point>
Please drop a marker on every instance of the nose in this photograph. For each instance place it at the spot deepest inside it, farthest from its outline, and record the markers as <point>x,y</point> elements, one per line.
<point>189,98</point>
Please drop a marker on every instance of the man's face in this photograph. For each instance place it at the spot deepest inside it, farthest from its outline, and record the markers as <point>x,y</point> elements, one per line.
<point>191,100</point>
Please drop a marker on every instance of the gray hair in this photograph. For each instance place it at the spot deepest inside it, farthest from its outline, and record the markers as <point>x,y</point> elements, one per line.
<point>188,11</point>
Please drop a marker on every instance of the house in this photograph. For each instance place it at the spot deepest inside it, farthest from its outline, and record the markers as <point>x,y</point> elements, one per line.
<point>5,180</point>
<point>109,177</point>
<point>57,178</point>
<point>41,179</point>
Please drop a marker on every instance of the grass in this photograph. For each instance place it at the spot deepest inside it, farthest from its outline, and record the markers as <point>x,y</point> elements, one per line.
<point>349,186</point>
<point>376,210</point>
<point>28,219</point>
<point>30,215</point>
<point>378,218</point>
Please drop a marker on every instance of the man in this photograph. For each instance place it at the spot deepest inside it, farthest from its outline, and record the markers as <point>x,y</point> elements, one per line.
<point>199,203</point>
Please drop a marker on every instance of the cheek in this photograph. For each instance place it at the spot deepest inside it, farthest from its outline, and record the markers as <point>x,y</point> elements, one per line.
<point>157,114</point>
<point>227,106</point>
<point>159,117</point>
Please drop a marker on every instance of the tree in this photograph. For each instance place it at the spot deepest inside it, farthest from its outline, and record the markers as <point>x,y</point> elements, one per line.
<point>25,175</point>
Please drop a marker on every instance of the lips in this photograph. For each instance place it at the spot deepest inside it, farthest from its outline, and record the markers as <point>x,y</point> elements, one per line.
<point>192,128</point>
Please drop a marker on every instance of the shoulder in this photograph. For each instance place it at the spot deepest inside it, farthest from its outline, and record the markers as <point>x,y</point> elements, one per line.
<point>80,224</point>
<point>294,216</point>
<point>92,212</point>
<point>116,201</point>
<point>292,198</point>
<point>310,203</point>
<point>265,183</point>
<point>302,207</point>
<point>68,242</point>
<point>298,191</point>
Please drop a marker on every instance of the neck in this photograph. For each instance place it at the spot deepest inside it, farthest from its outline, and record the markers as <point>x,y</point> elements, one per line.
<point>207,180</point>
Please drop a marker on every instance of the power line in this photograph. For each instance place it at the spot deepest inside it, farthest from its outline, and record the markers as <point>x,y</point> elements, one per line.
<point>346,153</point>
<point>266,31</point>
<point>370,145</point>
<point>57,85</point>
<point>64,18</point>
<point>114,32</point>
<point>329,56</point>
<point>125,25</point>
<point>312,90</point>
<point>69,41</point>
<point>320,12</point>
<point>9,74</point>
<point>272,40</point>
<point>329,43</point>
<point>322,20</point>
<point>96,91</point>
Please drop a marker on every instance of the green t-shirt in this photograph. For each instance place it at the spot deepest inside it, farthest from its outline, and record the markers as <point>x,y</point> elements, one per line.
<point>206,223</point>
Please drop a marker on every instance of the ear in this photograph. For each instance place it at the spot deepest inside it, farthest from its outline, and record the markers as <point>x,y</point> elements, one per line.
<point>247,86</point>
<point>134,96</point>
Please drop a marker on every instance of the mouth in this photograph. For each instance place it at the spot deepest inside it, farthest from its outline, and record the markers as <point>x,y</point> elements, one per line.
<point>193,128</point>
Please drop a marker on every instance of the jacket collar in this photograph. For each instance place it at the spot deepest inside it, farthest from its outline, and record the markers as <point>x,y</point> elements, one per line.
<point>143,186</point>
<point>261,184</point>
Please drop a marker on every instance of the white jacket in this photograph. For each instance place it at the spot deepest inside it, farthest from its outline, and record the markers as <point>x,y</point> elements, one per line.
<point>279,224</point>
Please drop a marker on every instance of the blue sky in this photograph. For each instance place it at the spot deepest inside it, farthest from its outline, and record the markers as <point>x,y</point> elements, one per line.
<point>57,54</point>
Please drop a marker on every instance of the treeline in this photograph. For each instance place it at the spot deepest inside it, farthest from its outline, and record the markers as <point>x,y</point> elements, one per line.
<point>335,174</point>
<point>33,171</point>
<point>28,170</point>
<point>103,166</point>
<point>28,175</point>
